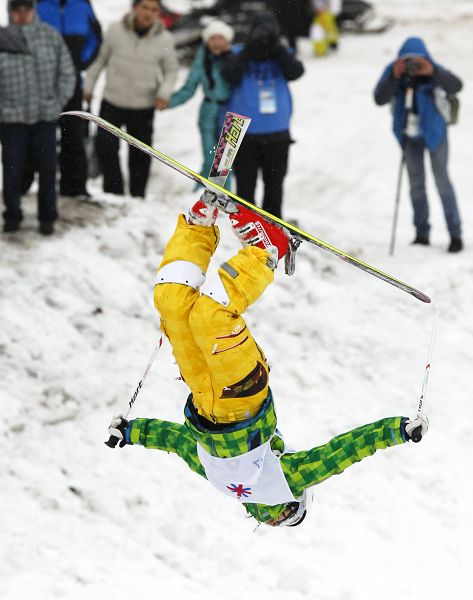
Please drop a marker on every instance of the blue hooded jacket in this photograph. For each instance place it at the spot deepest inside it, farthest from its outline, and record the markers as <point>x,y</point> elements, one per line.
<point>75,20</point>
<point>432,125</point>
<point>245,97</point>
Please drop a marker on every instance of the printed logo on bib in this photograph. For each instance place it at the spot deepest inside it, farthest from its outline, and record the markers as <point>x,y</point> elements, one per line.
<point>239,490</point>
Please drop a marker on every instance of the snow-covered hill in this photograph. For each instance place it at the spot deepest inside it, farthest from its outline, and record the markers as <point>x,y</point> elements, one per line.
<point>78,326</point>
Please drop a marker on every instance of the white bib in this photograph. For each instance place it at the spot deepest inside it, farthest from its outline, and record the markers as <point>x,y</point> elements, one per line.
<point>255,477</point>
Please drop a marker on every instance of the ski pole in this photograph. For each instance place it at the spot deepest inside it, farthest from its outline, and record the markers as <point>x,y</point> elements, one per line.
<point>112,440</point>
<point>396,206</point>
<point>417,433</point>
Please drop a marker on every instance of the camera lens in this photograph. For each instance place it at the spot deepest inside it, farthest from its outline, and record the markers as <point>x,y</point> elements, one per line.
<point>412,66</point>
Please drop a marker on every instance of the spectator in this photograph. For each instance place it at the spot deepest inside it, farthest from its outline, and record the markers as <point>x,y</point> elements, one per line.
<point>141,63</point>
<point>259,71</point>
<point>411,83</point>
<point>34,87</point>
<point>76,22</point>
<point>206,70</point>
<point>324,31</point>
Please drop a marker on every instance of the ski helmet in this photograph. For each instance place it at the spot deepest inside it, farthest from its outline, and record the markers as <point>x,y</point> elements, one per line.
<point>298,510</point>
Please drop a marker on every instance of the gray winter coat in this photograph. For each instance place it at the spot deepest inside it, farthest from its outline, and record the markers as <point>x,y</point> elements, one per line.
<point>139,69</point>
<point>34,86</point>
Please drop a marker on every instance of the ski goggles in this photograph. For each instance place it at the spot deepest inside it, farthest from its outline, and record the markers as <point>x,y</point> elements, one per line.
<point>298,511</point>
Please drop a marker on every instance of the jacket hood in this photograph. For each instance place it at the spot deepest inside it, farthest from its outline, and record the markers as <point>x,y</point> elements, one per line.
<point>128,22</point>
<point>414,46</point>
<point>12,41</point>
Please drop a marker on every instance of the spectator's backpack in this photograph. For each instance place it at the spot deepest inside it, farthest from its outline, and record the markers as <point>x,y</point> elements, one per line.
<point>447,105</point>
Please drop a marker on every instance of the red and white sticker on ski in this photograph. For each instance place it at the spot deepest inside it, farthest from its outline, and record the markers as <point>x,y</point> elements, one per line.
<point>233,132</point>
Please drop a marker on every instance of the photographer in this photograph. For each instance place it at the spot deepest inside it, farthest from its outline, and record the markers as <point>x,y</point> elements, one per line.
<point>258,72</point>
<point>411,83</point>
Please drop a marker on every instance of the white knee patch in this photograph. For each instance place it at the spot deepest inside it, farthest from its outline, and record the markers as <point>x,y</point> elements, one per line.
<point>214,288</point>
<point>181,271</point>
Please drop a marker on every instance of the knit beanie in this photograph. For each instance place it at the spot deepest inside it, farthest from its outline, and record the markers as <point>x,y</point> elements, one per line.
<point>16,4</point>
<point>217,28</point>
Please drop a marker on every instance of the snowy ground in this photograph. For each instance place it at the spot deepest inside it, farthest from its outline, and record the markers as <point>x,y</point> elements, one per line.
<point>78,326</point>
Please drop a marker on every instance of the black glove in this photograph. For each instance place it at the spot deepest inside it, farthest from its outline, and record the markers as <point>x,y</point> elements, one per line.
<point>261,49</point>
<point>280,52</point>
<point>117,429</point>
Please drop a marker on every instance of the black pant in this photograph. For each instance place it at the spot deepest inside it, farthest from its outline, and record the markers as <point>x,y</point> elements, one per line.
<point>138,123</point>
<point>268,153</point>
<point>72,159</point>
<point>39,141</point>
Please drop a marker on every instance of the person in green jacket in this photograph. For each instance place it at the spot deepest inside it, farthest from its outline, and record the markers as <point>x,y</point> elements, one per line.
<point>206,71</point>
<point>230,433</point>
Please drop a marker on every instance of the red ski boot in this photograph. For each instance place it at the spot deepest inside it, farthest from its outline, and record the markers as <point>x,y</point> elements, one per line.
<point>202,213</point>
<point>254,230</point>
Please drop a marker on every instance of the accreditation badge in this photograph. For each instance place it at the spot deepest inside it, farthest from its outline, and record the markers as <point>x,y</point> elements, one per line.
<point>267,100</point>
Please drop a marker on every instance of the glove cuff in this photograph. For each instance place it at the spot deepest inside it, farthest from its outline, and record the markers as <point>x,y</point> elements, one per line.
<point>405,437</point>
<point>128,433</point>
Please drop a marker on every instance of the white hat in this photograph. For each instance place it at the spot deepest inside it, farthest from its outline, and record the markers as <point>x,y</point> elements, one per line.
<point>217,28</point>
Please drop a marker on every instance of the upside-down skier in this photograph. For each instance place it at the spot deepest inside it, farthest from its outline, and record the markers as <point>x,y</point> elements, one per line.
<point>230,435</point>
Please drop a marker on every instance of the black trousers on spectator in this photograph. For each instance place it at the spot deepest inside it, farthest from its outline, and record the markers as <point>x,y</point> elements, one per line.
<point>39,142</point>
<point>268,153</point>
<point>72,159</point>
<point>138,123</point>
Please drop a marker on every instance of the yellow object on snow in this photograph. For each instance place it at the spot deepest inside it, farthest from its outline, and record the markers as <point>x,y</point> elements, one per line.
<point>324,33</point>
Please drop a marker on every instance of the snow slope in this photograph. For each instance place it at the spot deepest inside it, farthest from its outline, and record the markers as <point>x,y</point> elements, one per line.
<point>78,326</point>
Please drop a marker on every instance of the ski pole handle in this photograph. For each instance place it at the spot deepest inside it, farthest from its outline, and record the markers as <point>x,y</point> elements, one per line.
<point>416,434</point>
<point>112,441</point>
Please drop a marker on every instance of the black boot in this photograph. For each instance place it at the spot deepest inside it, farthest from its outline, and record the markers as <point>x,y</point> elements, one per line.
<point>423,240</point>
<point>456,245</point>
<point>9,226</point>
<point>46,228</point>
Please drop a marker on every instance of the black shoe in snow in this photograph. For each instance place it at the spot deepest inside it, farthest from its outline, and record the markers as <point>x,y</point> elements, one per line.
<point>456,245</point>
<point>46,228</point>
<point>80,195</point>
<point>9,226</point>
<point>422,240</point>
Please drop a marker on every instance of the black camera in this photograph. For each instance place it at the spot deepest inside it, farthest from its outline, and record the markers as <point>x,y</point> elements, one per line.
<point>264,35</point>
<point>412,66</point>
